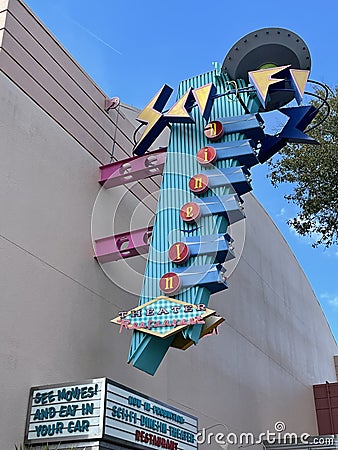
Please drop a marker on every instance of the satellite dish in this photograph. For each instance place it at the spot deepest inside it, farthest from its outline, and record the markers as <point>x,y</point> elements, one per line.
<point>267,48</point>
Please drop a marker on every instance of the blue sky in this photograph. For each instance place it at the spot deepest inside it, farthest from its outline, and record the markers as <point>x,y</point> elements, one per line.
<point>132,48</point>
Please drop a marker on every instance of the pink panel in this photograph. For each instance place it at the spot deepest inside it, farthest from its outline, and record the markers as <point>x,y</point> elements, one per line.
<point>124,245</point>
<point>132,169</point>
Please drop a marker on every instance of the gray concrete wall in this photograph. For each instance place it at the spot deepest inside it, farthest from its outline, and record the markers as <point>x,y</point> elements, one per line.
<point>56,301</point>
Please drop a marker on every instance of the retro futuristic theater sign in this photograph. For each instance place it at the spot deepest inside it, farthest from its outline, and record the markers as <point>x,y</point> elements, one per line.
<point>217,135</point>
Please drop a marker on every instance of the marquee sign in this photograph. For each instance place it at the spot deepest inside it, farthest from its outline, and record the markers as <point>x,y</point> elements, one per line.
<point>103,410</point>
<point>217,135</point>
<point>69,411</point>
<point>134,418</point>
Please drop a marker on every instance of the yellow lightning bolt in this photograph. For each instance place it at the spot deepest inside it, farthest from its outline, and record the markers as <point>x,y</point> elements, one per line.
<point>299,79</point>
<point>152,116</point>
<point>262,80</point>
<point>178,112</point>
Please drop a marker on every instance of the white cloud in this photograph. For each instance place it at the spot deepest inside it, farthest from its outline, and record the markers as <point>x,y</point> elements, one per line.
<point>281,212</point>
<point>334,301</point>
<point>331,299</point>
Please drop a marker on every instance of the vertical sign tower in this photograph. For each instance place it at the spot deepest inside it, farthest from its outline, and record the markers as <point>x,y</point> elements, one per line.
<point>175,208</point>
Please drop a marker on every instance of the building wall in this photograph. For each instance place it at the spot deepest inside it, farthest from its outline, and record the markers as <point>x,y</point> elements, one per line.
<point>56,301</point>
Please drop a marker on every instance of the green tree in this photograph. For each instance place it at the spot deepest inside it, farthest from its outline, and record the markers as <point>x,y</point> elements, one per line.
<point>312,171</point>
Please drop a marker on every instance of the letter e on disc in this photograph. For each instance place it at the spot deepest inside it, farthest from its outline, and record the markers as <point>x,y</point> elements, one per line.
<point>190,212</point>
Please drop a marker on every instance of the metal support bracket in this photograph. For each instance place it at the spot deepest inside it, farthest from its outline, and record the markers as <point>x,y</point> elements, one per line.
<point>132,169</point>
<point>124,245</point>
